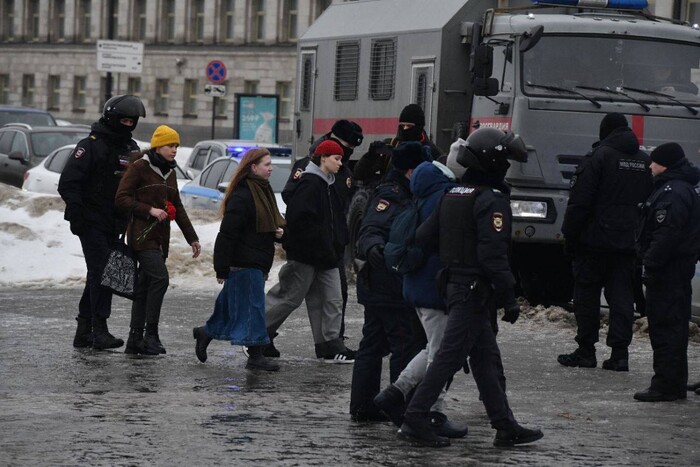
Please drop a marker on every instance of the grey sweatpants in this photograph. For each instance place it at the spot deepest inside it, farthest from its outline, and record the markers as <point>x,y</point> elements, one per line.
<point>321,290</point>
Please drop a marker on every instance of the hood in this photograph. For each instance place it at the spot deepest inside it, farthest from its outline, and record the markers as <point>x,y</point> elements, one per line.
<point>623,140</point>
<point>427,179</point>
<point>683,170</point>
<point>313,169</point>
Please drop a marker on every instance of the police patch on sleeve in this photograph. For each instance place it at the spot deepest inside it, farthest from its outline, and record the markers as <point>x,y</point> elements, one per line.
<point>78,153</point>
<point>574,177</point>
<point>297,174</point>
<point>348,182</point>
<point>660,216</point>
<point>382,205</point>
<point>497,221</point>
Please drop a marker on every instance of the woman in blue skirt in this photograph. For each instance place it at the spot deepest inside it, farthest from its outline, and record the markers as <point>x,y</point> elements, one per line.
<point>243,254</point>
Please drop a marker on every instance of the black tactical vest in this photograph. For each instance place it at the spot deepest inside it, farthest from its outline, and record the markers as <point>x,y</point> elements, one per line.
<point>458,228</point>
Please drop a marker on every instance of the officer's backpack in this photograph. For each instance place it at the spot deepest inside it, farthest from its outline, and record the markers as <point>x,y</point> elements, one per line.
<point>401,254</point>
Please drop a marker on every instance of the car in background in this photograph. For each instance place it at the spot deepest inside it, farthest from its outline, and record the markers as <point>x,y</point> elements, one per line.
<point>207,151</point>
<point>23,146</point>
<point>44,177</point>
<point>28,115</point>
<point>206,190</point>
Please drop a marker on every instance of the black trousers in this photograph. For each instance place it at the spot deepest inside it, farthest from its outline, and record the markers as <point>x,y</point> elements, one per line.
<point>469,332</point>
<point>150,290</point>
<point>614,274</point>
<point>344,294</point>
<point>387,330</point>
<point>96,301</point>
<point>668,310</point>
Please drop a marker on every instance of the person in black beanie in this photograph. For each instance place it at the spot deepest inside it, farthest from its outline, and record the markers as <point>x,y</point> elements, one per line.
<point>391,326</point>
<point>668,242</point>
<point>598,226</point>
<point>375,163</point>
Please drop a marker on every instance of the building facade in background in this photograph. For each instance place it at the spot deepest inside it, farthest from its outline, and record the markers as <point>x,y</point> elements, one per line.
<point>48,56</point>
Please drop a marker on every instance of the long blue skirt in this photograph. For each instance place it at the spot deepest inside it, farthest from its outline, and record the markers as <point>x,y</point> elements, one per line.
<point>239,312</point>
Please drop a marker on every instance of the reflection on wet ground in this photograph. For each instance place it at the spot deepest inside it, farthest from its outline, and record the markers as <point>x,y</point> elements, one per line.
<point>61,406</point>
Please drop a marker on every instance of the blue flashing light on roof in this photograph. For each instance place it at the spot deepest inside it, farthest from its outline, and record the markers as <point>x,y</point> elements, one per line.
<point>620,4</point>
<point>237,150</point>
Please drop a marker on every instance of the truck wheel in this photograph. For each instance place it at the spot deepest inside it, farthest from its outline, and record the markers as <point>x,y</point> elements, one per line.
<point>460,130</point>
<point>358,206</point>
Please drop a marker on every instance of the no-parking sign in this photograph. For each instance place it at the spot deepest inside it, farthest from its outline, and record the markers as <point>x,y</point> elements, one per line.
<point>216,71</point>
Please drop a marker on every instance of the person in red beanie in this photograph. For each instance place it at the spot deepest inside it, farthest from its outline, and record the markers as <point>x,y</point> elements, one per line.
<point>315,242</point>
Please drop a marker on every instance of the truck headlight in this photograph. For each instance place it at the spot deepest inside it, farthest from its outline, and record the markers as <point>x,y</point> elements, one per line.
<point>529,209</point>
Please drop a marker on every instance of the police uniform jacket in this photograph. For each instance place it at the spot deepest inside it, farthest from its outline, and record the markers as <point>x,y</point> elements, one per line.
<point>670,227</point>
<point>380,286</point>
<point>316,229</point>
<point>143,187</point>
<point>606,190</point>
<point>486,255</point>
<point>238,244</point>
<point>90,179</point>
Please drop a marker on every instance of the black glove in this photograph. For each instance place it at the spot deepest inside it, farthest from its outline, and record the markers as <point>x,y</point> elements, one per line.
<point>375,256</point>
<point>376,148</point>
<point>511,314</point>
<point>78,226</point>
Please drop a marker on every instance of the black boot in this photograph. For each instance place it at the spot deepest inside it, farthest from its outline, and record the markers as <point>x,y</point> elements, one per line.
<point>417,429</point>
<point>102,339</point>
<point>151,339</point>
<point>442,426</point>
<point>203,340</point>
<point>392,403</point>
<point>135,344</point>
<point>83,335</point>
<point>256,360</point>
<point>515,434</point>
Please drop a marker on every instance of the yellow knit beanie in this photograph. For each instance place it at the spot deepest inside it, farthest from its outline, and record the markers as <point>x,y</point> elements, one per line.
<point>164,136</point>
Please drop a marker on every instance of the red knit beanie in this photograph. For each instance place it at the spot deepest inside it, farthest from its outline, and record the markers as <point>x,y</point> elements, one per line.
<point>328,148</point>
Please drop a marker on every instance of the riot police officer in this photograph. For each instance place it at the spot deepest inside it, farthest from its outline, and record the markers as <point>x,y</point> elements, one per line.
<point>599,228</point>
<point>669,244</point>
<point>88,185</point>
<point>471,228</point>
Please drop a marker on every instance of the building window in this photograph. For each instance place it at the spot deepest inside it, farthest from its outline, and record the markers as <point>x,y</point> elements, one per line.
<point>321,6</point>
<point>32,20</point>
<point>7,15</point>
<point>4,89</point>
<point>347,62</point>
<point>382,69</point>
<point>162,89</point>
<point>54,92</point>
<point>250,87</point>
<point>139,26</point>
<point>28,90</point>
<point>283,89</point>
<point>227,20</point>
<point>693,14</point>
<point>58,21</point>
<point>257,30</point>
<point>133,86</point>
<point>84,20</point>
<point>79,93</point>
<point>197,20</point>
<point>190,98</point>
<point>167,33</point>
<point>289,18</point>
<point>221,110</point>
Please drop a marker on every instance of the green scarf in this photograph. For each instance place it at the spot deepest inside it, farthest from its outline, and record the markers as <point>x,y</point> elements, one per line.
<point>267,216</point>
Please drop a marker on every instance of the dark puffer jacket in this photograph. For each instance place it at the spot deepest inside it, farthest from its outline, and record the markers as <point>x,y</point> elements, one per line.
<point>238,244</point>
<point>144,186</point>
<point>606,190</point>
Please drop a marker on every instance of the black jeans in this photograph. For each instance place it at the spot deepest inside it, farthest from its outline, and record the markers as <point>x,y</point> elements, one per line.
<point>668,310</point>
<point>469,332</point>
<point>387,330</point>
<point>614,273</point>
<point>152,284</point>
<point>96,301</point>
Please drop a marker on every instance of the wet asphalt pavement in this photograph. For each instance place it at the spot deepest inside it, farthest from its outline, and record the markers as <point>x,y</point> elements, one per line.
<point>62,406</point>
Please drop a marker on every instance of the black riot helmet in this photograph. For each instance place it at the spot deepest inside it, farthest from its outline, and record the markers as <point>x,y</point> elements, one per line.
<point>119,107</point>
<point>488,150</point>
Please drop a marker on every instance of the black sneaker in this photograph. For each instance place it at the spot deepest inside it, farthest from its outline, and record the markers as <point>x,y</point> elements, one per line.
<point>420,432</point>
<point>516,434</point>
<point>346,356</point>
<point>442,426</point>
<point>577,359</point>
<point>616,365</point>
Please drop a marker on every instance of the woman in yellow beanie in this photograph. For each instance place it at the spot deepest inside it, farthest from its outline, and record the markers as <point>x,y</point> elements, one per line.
<point>148,192</point>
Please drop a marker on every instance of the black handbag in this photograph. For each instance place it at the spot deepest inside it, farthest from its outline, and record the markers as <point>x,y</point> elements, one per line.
<point>120,272</point>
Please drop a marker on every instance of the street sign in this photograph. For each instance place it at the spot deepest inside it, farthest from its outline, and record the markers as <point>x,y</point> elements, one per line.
<point>215,90</point>
<point>216,71</point>
<point>119,56</point>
